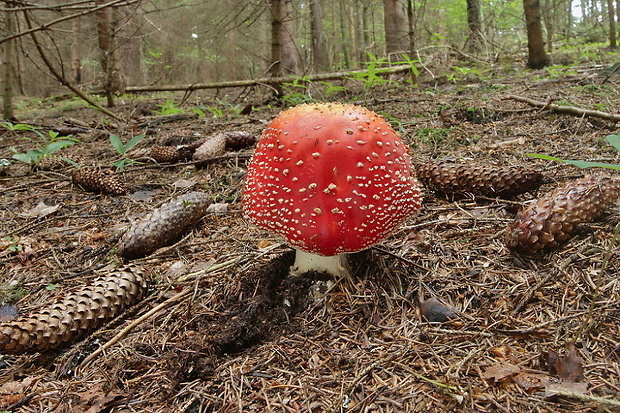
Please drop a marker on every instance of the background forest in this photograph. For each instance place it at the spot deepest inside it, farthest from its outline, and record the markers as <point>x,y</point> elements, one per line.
<point>117,45</point>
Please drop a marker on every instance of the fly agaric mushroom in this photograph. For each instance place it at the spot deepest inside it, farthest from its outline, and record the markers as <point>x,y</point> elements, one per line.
<point>333,179</point>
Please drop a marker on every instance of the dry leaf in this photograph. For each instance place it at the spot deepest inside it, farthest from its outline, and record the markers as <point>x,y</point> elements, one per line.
<point>530,381</point>
<point>500,371</point>
<point>570,367</point>
<point>184,183</point>
<point>41,210</point>
<point>95,399</point>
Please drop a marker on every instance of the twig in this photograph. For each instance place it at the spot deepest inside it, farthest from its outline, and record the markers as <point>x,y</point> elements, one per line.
<point>571,110</point>
<point>585,397</point>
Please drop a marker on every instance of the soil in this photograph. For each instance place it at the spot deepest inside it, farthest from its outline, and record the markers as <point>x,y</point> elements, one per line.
<point>509,332</point>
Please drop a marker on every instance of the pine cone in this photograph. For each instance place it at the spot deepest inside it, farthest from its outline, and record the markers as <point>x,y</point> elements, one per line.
<point>98,181</point>
<point>451,179</point>
<point>237,140</point>
<point>76,314</point>
<point>164,154</point>
<point>214,146</point>
<point>550,220</point>
<point>163,226</point>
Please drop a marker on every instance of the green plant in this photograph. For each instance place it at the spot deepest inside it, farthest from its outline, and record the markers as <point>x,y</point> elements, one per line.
<point>459,73</point>
<point>123,148</point>
<point>332,89</point>
<point>168,108</point>
<point>613,140</point>
<point>14,245</point>
<point>49,144</point>
<point>17,127</point>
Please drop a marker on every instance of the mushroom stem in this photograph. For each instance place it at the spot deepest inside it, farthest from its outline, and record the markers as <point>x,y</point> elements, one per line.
<point>336,265</point>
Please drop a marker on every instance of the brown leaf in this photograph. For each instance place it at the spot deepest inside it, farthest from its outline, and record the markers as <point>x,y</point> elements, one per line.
<point>95,399</point>
<point>530,381</point>
<point>500,371</point>
<point>570,367</point>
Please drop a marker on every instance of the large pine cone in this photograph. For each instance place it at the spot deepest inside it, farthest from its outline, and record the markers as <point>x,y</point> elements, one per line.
<point>451,179</point>
<point>98,181</point>
<point>76,314</point>
<point>164,225</point>
<point>213,146</point>
<point>551,219</point>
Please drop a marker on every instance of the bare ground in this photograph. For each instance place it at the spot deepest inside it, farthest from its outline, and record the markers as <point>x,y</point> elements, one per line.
<point>248,337</point>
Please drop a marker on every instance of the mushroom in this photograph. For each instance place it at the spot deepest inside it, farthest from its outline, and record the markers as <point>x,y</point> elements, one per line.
<point>333,179</point>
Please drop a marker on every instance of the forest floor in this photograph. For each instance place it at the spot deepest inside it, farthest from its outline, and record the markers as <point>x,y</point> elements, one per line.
<point>248,337</point>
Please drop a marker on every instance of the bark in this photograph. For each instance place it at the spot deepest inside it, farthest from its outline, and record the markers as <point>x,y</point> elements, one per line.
<point>107,23</point>
<point>475,40</point>
<point>319,55</point>
<point>537,56</point>
<point>396,40</point>
<point>8,63</point>
<point>284,56</point>
<point>612,24</point>
<point>74,51</point>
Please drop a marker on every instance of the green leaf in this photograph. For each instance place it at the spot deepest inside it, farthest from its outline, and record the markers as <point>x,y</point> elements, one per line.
<point>54,146</point>
<point>25,157</point>
<point>578,164</point>
<point>133,142</point>
<point>614,140</point>
<point>117,144</point>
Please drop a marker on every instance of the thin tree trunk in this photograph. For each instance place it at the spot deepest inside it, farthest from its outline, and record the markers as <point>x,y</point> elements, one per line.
<point>474,42</point>
<point>74,51</point>
<point>396,41</point>
<point>343,34</point>
<point>291,60</point>
<point>8,61</point>
<point>319,56</point>
<point>612,24</point>
<point>109,53</point>
<point>537,56</point>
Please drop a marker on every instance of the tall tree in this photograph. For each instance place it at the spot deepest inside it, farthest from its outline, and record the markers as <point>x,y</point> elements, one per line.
<point>319,52</point>
<point>612,24</point>
<point>474,41</point>
<point>537,56</point>
<point>396,29</point>
<point>284,54</point>
<point>109,56</point>
<point>8,63</point>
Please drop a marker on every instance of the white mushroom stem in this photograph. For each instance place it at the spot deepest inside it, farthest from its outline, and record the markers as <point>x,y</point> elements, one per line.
<point>335,265</point>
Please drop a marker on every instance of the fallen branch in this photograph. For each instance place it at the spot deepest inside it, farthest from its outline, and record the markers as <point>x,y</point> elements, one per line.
<point>571,110</point>
<point>263,81</point>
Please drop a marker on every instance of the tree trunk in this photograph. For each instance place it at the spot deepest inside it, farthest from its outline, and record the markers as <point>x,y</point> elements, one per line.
<point>8,63</point>
<point>74,52</point>
<point>537,58</point>
<point>612,24</point>
<point>291,60</point>
<point>109,52</point>
<point>319,55</point>
<point>474,42</point>
<point>396,41</point>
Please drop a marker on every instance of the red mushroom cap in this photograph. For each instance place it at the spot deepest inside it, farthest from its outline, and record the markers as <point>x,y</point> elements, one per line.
<point>330,177</point>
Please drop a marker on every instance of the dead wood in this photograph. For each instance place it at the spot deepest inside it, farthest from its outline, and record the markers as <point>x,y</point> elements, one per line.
<point>571,110</point>
<point>265,81</point>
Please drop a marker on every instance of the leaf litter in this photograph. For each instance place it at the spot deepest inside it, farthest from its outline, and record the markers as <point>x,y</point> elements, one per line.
<point>225,330</point>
